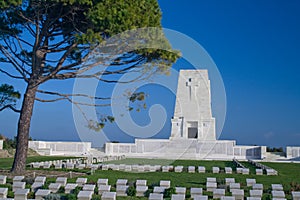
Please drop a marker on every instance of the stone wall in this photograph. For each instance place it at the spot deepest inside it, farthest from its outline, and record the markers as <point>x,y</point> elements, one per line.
<point>184,149</point>
<point>293,152</point>
<point>61,148</point>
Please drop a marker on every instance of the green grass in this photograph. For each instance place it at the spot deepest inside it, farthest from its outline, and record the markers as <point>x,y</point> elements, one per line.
<point>288,173</point>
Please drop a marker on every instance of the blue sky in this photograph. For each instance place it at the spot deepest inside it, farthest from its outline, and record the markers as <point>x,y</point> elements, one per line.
<point>256,47</point>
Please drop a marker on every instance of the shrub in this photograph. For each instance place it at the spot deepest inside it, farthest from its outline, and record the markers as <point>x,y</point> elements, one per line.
<point>168,192</point>
<point>131,191</point>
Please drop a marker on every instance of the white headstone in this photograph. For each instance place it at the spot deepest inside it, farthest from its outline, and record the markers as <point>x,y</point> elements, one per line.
<point>103,188</point>
<point>109,196</point>
<point>3,179</point>
<point>3,193</point>
<point>85,195</point>
<point>40,193</point>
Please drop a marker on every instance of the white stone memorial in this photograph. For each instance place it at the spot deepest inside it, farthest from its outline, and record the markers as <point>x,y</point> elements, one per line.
<point>200,197</point>
<point>18,185</point>
<point>140,190</point>
<point>250,181</point>
<point>193,128</point>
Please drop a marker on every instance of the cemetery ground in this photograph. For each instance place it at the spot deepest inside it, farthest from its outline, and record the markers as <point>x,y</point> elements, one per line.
<point>288,175</point>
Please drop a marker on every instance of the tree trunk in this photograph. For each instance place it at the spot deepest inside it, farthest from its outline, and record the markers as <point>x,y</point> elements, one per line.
<point>23,129</point>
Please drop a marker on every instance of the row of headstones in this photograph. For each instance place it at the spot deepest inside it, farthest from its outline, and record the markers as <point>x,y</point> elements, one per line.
<point>264,167</point>
<point>236,191</point>
<point>141,187</point>
<point>190,169</point>
<point>79,163</point>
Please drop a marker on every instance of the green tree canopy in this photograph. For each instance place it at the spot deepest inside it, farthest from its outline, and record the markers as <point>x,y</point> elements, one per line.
<point>8,97</point>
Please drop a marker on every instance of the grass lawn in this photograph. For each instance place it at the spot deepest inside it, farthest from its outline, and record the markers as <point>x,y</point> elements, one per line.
<point>288,173</point>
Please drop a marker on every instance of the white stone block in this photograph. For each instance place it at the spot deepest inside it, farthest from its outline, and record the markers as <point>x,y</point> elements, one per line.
<point>61,180</point>
<point>140,190</point>
<point>156,196</point>
<point>259,171</point>
<point>81,166</point>
<point>211,179</point>
<point>21,194</point>
<point>200,197</point>
<point>122,182</point>
<point>102,181</point>
<point>46,165</point>
<point>153,168</point>
<point>109,196</point>
<point>141,182</point>
<point>69,187</point>
<point>180,190</point>
<point>196,191</point>
<point>3,179</point>
<point>128,168</point>
<point>229,180</point>
<point>178,169</point>
<point>165,183</point>
<point>228,198</point>
<point>253,198</point>
<point>277,187</point>
<point>218,193</point>
<point>54,187</point>
<point>250,182</point>
<point>18,185</point>
<point>58,166</point>
<point>3,193</point>
<point>147,168</point>
<point>104,167</point>
<point>256,193</point>
<point>18,178</point>
<point>191,169</point>
<point>40,179</point>
<point>210,186</point>
<point>85,195</point>
<point>40,193</point>
<point>228,170</point>
<point>177,197</point>
<point>278,194</point>
<point>141,168</point>
<point>258,186</point>
<point>216,170</point>
<point>36,165</point>
<point>88,187</point>
<point>81,181</point>
<point>238,194</point>
<point>201,169</point>
<point>239,170</point>
<point>233,186</point>
<point>159,190</point>
<point>70,166</point>
<point>103,188</point>
<point>296,195</point>
<point>122,190</point>
<point>245,171</point>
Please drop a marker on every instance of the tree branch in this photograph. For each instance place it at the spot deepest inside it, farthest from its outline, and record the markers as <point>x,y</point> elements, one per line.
<point>10,107</point>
